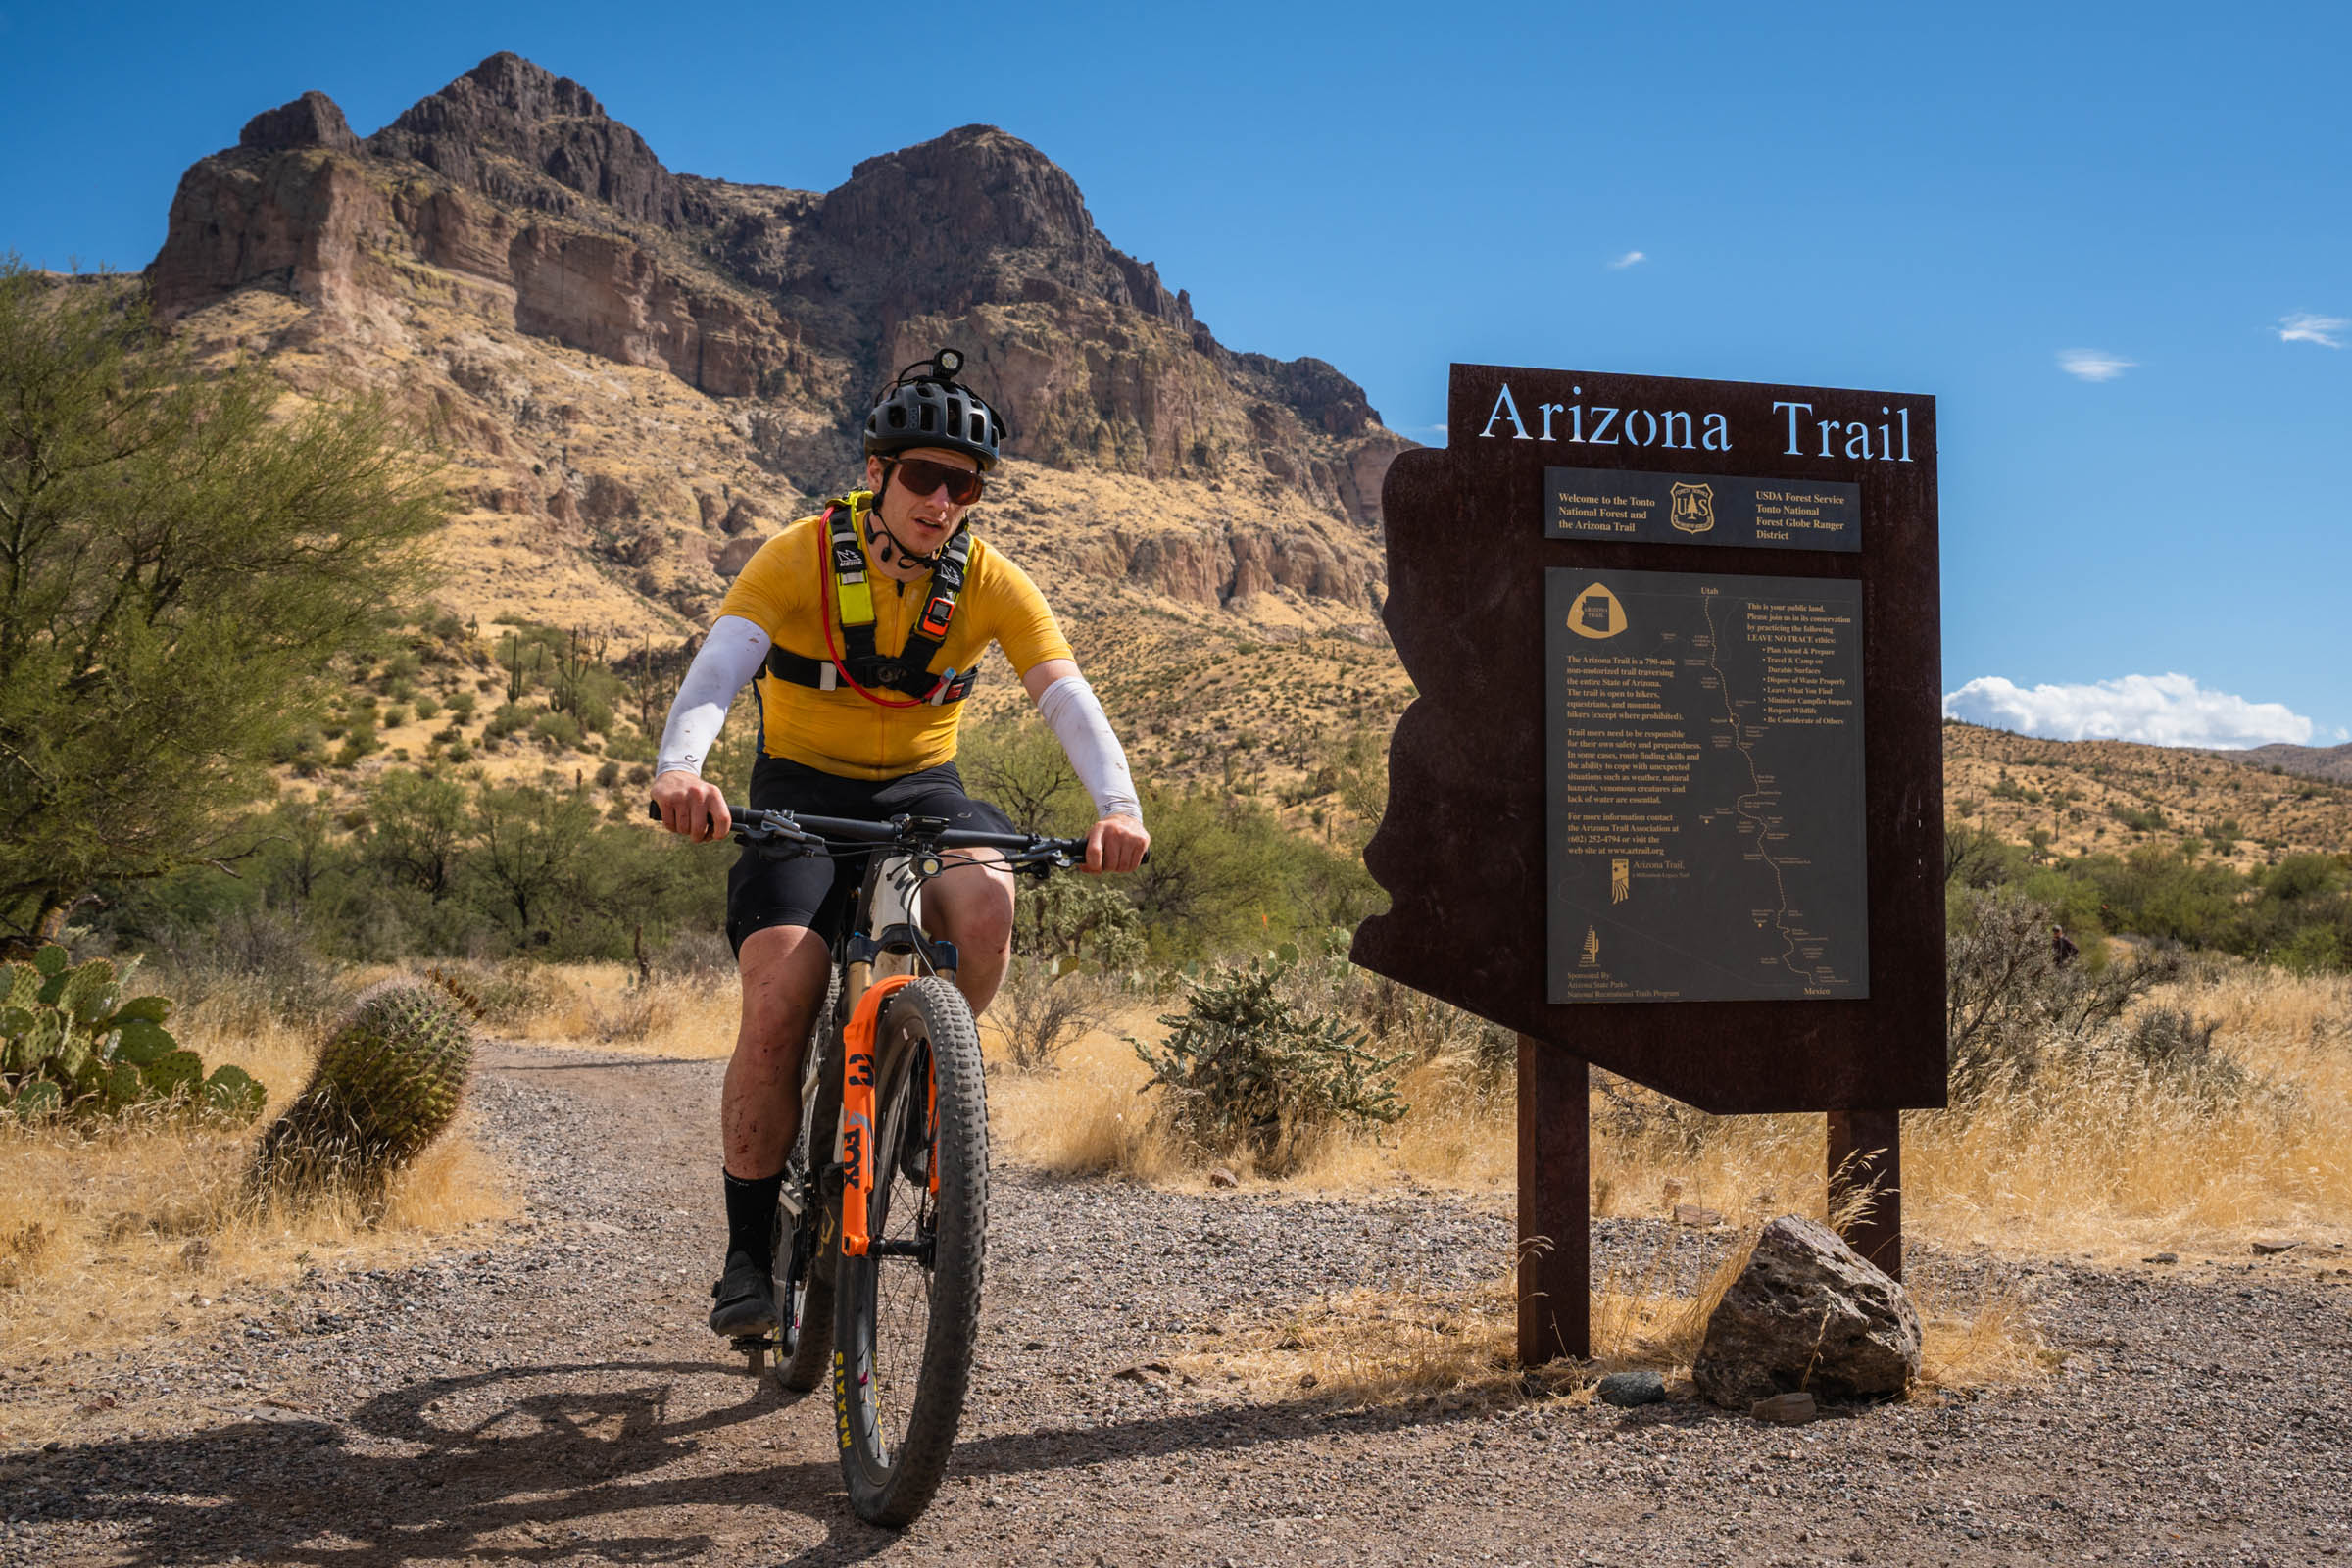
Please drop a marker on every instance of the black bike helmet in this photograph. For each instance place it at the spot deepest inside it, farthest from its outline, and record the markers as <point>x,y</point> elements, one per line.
<point>927,407</point>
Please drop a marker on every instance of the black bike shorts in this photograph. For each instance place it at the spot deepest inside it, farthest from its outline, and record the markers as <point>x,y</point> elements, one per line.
<point>814,892</point>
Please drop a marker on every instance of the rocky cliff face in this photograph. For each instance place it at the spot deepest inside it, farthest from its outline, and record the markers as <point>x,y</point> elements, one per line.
<point>456,255</point>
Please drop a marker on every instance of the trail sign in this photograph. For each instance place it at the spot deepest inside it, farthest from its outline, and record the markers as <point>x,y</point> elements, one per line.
<point>1669,798</point>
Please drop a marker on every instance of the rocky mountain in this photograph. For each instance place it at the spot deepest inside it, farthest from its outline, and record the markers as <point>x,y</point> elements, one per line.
<point>636,373</point>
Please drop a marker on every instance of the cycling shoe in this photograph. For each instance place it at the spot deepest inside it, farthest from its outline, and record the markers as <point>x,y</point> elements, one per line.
<point>744,1299</point>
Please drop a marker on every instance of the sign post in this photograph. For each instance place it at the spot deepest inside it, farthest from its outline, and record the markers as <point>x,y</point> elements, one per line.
<point>1669,799</point>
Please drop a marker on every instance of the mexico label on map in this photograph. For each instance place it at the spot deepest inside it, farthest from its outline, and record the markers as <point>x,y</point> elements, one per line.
<point>1704,783</point>
<point>1701,508</point>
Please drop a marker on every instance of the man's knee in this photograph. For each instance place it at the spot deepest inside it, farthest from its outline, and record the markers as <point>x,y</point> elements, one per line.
<point>978,913</point>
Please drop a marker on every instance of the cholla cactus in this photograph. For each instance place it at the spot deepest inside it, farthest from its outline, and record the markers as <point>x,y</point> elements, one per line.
<point>389,1080</point>
<point>71,1045</point>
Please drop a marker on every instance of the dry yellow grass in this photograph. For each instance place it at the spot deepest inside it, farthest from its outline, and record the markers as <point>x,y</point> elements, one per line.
<point>1085,1116</point>
<point>146,1226</point>
<point>2107,1159</point>
<point>602,1005</point>
<point>2111,1162</point>
<point>1367,1347</point>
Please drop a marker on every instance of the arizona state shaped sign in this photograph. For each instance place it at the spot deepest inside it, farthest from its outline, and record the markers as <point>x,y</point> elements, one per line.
<point>1669,794</point>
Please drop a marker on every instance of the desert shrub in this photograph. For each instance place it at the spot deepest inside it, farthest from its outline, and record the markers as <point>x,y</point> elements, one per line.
<point>1047,1003</point>
<point>2175,1043</point>
<point>1647,1119</point>
<point>1244,1069</point>
<point>500,995</point>
<point>258,950</point>
<point>505,720</point>
<point>2009,1001</point>
<point>698,955</point>
<point>1225,875</point>
<point>1018,764</point>
<point>556,731</point>
<point>357,742</point>
<point>1395,1018</point>
<point>1081,918</point>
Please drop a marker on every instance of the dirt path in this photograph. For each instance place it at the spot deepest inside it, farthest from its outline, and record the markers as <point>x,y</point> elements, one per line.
<point>558,1401</point>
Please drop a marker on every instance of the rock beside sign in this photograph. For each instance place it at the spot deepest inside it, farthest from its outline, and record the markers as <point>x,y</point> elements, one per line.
<point>1808,1314</point>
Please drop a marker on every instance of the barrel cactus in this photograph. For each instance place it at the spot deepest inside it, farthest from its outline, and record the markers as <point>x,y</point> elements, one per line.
<point>387,1082</point>
<point>69,1043</point>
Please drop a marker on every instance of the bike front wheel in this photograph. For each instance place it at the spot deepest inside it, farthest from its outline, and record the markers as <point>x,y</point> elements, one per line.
<point>908,1313</point>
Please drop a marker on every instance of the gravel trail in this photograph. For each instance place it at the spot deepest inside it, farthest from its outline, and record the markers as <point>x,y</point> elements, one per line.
<point>557,1399</point>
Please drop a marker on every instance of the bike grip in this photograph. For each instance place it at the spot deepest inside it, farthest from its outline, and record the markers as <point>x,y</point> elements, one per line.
<point>652,808</point>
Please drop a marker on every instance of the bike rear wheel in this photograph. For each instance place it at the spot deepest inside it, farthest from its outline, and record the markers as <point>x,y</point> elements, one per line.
<point>908,1313</point>
<point>807,1253</point>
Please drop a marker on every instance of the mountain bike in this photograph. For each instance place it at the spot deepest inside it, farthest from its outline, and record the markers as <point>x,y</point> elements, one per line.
<point>882,1220</point>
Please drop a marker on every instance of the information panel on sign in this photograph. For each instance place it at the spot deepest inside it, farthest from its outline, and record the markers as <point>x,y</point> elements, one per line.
<point>1692,509</point>
<point>1705,787</point>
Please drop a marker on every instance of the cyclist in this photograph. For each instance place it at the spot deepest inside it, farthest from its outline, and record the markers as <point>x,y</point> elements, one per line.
<point>850,730</point>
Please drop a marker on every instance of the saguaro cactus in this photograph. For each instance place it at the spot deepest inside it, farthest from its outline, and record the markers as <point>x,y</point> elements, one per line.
<point>388,1081</point>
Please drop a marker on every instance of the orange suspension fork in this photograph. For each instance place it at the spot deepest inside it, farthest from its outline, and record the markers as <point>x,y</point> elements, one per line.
<point>858,1113</point>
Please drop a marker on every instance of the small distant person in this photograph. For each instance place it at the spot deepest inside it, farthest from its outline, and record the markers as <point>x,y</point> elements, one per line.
<point>2062,946</point>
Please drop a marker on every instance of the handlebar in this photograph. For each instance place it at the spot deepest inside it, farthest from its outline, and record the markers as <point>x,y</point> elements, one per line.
<point>753,825</point>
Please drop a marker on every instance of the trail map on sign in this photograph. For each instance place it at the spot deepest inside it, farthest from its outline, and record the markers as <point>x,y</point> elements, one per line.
<point>1705,787</point>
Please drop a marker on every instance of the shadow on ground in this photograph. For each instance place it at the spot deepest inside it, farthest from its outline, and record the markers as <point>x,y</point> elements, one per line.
<point>485,1467</point>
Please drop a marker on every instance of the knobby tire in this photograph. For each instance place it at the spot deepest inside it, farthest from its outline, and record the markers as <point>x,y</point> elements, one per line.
<point>806,1342</point>
<point>896,1411</point>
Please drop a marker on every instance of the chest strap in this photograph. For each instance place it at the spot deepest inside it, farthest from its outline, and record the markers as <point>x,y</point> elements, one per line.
<point>908,670</point>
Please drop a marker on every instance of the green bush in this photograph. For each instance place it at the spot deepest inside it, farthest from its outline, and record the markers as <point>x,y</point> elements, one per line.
<point>71,1044</point>
<point>1243,1068</point>
<point>504,721</point>
<point>360,742</point>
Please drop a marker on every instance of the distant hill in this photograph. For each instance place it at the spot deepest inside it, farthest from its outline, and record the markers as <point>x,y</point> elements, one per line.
<point>2115,796</point>
<point>2316,761</point>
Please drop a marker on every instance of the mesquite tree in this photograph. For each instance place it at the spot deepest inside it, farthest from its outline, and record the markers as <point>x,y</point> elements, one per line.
<point>182,552</point>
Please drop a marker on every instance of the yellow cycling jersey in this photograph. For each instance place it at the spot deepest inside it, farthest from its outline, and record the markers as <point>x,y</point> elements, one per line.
<point>839,731</point>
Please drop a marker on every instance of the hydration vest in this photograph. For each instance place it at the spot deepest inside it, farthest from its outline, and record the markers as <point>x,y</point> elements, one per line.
<point>908,670</point>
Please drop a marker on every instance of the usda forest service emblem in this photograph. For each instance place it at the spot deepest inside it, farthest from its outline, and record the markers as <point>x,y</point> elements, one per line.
<point>1694,507</point>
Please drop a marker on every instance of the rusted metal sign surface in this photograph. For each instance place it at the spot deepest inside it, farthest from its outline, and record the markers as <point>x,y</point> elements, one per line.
<point>1694,831</point>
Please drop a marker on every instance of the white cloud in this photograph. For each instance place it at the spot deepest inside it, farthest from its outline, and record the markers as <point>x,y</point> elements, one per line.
<point>2091,364</point>
<point>2305,328</point>
<point>1629,259</point>
<point>2159,709</point>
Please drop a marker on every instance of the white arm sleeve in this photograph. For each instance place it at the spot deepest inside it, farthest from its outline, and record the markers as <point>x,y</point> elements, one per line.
<point>1070,707</point>
<point>731,655</point>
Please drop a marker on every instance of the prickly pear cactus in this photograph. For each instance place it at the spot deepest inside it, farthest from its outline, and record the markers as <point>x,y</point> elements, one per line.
<point>70,1044</point>
<point>389,1080</point>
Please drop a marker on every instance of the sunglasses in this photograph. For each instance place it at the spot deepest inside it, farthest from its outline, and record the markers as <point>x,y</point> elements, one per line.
<point>921,477</point>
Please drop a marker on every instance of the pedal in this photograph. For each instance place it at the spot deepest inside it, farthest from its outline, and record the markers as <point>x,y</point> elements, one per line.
<point>754,1346</point>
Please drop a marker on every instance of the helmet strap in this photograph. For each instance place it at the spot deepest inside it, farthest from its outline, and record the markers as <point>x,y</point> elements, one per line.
<point>887,546</point>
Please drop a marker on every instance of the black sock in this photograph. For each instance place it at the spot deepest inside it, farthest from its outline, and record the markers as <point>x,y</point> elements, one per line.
<point>752,1217</point>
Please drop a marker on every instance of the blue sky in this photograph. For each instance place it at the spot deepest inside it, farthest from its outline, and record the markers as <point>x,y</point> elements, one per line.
<point>1960,201</point>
